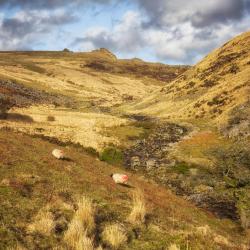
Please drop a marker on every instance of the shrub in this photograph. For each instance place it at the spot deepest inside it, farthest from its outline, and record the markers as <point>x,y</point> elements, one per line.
<point>138,212</point>
<point>51,118</point>
<point>114,235</point>
<point>209,83</point>
<point>111,155</point>
<point>91,151</point>
<point>234,69</point>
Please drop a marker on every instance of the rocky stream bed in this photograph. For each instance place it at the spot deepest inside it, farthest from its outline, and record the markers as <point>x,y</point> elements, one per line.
<point>150,156</point>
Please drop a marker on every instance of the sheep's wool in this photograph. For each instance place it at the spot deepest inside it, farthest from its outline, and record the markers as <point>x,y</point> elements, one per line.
<point>120,178</point>
<point>58,153</point>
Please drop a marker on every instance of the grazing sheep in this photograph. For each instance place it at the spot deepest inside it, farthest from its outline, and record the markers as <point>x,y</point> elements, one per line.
<point>119,178</point>
<point>58,154</point>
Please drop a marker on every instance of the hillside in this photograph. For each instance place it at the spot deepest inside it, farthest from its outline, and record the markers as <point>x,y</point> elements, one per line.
<point>204,135</point>
<point>63,84</point>
<point>32,182</point>
<point>181,134</point>
<point>214,89</point>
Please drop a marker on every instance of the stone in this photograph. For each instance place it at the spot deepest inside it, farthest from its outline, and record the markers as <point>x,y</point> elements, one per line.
<point>151,163</point>
<point>135,162</point>
<point>203,189</point>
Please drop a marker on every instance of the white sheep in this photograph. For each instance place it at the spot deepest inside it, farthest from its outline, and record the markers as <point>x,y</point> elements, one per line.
<point>58,154</point>
<point>119,178</point>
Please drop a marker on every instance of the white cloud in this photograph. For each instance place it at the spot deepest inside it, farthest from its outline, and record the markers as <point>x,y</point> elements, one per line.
<point>176,31</point>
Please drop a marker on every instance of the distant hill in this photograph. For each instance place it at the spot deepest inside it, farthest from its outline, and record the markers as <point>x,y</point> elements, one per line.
<point>215,89</point>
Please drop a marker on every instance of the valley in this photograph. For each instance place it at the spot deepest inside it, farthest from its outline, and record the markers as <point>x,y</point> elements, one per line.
<point>180,132</point>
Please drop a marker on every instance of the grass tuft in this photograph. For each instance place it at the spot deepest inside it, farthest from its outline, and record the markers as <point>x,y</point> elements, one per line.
<point>173,247</point>
<point>138,212</point>
<point>85,214</point>
<point>114,235</point>
<point>81,226</point>
<point>43,223</point>
<point>85,243</point>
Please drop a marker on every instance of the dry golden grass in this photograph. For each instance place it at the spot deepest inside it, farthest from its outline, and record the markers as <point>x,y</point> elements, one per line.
<point>203,230</point>
<point>85,243</point>
<point>114,235</point>
<point>81,226</point>
<point>85,214</point>
<point>138,212</point>
<point>17,247</point>
<point>74,233</point>
<point>173,247</point>
<point>88,129</point>
<point>99,248</point>
<point>188,97</point>
<point>43,223</point>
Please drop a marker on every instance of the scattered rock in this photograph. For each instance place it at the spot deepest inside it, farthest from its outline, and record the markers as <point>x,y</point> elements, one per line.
<point>150,164</point>
<point>203,189</point>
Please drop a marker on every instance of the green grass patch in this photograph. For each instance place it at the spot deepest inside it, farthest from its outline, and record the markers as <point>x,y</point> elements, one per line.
<point>112,155</point>
<point>182,168</point>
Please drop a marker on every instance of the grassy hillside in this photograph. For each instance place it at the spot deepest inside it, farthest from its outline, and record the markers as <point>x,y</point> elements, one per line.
<point>212,90</point>
<point>39,196</point>
<point>178,128</point>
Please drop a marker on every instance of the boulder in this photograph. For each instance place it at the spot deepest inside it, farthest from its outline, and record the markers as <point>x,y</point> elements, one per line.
<point>135,162</point>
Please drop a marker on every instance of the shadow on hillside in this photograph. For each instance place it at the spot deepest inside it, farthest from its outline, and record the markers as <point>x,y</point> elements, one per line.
<point>19,118</point>
<point>67,159</point>
<point>126,185</point>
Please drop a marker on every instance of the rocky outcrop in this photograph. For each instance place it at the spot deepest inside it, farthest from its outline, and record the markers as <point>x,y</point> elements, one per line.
<point>152,152</point>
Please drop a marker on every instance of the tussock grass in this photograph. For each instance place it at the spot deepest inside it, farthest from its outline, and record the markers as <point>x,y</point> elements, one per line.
<point>85,243</point>
<point>81,226</point>
<point>173,247</point>
<point>17,247</point>
<point>138,212</point>
<point>85,214</point>
<point>43,223</point>
<point>114,235</point>
<point>203,230</point>
<point>74,233</point>
<point>99,248</point>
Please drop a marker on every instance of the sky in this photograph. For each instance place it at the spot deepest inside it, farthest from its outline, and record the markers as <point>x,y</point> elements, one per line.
<point>168,31</point>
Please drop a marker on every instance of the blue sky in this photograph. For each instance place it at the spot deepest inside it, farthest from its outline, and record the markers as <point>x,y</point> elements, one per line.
<point>169,31</point>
